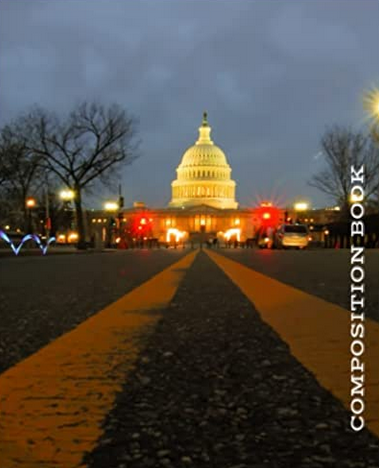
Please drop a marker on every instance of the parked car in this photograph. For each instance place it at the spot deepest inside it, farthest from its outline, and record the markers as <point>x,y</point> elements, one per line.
<point>292,235</point>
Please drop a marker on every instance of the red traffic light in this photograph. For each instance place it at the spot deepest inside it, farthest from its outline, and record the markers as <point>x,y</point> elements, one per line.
<point>268,214</point>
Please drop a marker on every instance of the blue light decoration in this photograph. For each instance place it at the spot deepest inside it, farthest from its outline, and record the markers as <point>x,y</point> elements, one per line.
<point>27,237</point>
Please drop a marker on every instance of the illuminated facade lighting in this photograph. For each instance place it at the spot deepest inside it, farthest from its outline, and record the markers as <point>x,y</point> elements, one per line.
<point>233,232</point>
<point>174,232</point>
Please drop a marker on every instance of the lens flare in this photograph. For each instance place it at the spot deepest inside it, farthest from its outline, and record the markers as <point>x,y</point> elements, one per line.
<point>371,104</point>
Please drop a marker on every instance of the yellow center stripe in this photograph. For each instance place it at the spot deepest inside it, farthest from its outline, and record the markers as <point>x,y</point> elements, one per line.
<point>52,404</point>
<point>317,331</point>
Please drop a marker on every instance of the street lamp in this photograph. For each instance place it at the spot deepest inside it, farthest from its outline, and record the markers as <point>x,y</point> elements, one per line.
<point>301,206</point>
<point>111,206</point>
<point>371,104</point>
<point>67,195</point>
<point>30,203</point>
<point>354,198</point>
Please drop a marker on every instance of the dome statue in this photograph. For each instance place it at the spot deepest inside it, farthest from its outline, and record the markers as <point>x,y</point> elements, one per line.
<point>204,175</point>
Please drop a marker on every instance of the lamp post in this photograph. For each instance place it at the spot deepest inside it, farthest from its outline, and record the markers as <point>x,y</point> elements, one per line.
<point>120,215</point>
<point>67,196</point>
<point>30,203</point>
<point>300,207</point>
<point>371,104</point>
<point>110,207</point>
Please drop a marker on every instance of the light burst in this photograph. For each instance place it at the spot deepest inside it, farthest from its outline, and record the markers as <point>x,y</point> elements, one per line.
<point>371,104</point>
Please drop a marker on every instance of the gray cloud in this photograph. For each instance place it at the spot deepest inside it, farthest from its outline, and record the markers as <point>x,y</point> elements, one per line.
<point>272,76</point>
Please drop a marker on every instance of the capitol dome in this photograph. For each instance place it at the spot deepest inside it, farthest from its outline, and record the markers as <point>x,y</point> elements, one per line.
<point>204,175</point>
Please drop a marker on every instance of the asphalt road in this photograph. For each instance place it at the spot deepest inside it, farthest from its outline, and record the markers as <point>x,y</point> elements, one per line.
<point>43,297</point>
<point>214,386</point>
<point>321,272</point>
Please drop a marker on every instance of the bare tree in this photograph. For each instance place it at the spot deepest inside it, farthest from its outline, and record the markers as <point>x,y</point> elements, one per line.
<point>85,148</point>
<point>343,148</point>
<point>19,170</point>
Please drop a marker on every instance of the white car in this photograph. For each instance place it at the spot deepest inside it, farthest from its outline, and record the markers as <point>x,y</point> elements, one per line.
<point>292,235</point>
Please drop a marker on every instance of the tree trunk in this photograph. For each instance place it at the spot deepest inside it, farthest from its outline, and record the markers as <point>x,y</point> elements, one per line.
<point>80,220</point>
<point>25,218</point>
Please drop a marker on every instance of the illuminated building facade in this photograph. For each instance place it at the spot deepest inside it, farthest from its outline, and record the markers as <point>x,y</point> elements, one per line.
<point>204,175</point>
<point>203,203</point>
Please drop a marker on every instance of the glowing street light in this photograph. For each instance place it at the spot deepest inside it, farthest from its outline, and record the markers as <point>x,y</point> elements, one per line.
<point>30,202</point>
<point>301,206</point>
<point>376,108</point>
<point>354,198</point>
<point>67,195</point>
<point>111,206</point>
<point>371,103</point>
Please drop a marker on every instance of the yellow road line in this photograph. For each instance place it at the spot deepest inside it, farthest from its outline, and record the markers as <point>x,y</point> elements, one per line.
<point>317,331</point>
<point>52,404</point>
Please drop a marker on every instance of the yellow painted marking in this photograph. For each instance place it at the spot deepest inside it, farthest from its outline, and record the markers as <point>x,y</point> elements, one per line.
<point>317,331</point>
<point>52,404</point>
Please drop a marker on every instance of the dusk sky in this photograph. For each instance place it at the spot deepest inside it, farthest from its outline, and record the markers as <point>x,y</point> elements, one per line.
<point>273,75</point>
